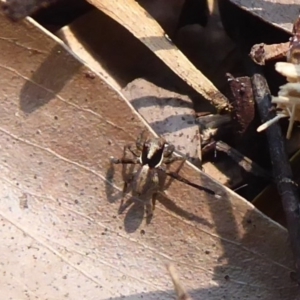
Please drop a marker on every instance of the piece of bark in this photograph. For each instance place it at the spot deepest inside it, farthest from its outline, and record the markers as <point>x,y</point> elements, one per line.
<point>260,53</point>
<point>282,171</point>
<point>243,110</point>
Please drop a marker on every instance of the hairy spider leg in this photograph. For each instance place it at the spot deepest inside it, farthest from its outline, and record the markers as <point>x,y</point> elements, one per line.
<point>172,159</point>
<point>129,148</point>
<point>125,160</point>
<point>168,161</point>
<point>141,139</point>
<point>168,151</point>
<point>127,181</point>
<point>168,158</point>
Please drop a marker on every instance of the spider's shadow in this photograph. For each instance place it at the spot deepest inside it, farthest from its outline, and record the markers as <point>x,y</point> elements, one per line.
<point>134,208</point>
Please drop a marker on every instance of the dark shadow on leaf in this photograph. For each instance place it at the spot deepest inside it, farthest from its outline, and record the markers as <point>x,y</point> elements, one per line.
<point>134,216</point>
<point>111,194</point>
<point>125,204</point>
<point>161,101</point>
<point>47,81</point>
<point>172,206</point>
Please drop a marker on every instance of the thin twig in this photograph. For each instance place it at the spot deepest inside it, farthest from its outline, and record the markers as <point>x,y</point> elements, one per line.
<point>260,53</point>
<point>282,171</point>
<point>246,163</point>
<point>179,289</point>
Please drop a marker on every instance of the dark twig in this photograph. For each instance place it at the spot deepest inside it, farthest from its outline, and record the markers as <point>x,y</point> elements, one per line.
<point>261,53</point>
<point>282,171</point>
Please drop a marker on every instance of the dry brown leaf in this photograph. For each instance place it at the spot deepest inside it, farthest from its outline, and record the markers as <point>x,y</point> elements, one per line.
<point>114,53</point>
<point>61,234</point>
<point>128,13</point>
<point>280,13</point>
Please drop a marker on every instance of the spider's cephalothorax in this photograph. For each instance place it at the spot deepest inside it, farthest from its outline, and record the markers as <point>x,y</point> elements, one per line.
<point>153,151</point>
<point>150,153</point>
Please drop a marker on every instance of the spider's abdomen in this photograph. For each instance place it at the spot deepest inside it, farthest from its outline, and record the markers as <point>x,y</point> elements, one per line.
<point>143,185</point>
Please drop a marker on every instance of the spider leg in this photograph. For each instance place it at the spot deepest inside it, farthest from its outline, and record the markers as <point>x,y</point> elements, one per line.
<point>141,140</point>
<point>182,179</point>
<point>133,152</point>
<point>169,150</point>
<point>123,206</point>
<point>170,160</point>
<point>128,147</point>
<point>124,160</point>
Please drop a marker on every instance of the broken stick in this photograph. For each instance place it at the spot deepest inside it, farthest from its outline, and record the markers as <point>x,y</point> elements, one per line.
<point>282,171</point>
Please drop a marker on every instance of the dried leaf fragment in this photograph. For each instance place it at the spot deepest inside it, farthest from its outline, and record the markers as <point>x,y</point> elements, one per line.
<point>260,53</point>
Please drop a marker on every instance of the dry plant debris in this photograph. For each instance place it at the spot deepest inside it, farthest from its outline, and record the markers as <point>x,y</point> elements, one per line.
<point>129,13</point>
<point>60,133</point>
<point>63,134</point>
<point>288,99</point>
<point>179,289</point>
<point>261,53</point>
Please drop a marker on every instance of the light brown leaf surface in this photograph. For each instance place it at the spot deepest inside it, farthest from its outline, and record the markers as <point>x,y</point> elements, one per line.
<point>281,13</point>
<point>61,235</point>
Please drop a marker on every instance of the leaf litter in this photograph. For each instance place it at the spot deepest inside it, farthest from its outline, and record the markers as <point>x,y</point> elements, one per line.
<point>73,215</point>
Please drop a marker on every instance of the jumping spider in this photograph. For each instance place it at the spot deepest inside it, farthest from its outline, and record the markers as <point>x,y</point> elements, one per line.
<point>151,154</point>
